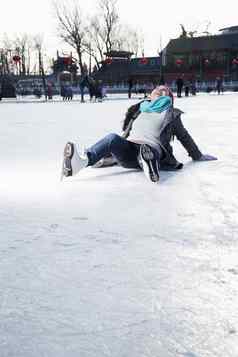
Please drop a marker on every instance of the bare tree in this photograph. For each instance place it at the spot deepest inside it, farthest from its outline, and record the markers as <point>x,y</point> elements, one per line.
<point>72,28</point>
<point>129,39</point>
<point>97,35</point>
<point>8,51</point>
<point>102,31</point>
<point>137,42</point>
<point>106,33</point>
<point>38,45</point>
<point>22,47</point>
<point>206,29</point>
<point>110,20</point>
<point>95,45</point>
<point>38,42</point>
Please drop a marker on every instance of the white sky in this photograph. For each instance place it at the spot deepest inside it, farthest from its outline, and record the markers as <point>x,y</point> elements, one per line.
<point>155,19</point>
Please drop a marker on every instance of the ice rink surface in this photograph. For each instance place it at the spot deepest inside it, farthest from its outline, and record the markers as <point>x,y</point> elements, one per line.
<point>107,263</point>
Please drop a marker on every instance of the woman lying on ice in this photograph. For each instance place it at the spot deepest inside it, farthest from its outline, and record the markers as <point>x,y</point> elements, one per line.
<point>148,129</point>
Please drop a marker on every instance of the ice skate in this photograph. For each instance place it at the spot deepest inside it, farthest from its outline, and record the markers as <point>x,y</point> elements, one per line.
<point>73,162</point>
<point>150,163</point>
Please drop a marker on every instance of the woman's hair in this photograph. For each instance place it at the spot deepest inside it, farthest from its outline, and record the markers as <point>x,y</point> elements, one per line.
<point>162,90</point>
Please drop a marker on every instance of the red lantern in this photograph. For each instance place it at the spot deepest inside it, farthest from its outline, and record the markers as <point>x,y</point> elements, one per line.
<point>143,60</point>
<point>235,61</point>
<point>108,61</point>
<point>16,58</point>
<point>179,62</point>
<point>67,60</point>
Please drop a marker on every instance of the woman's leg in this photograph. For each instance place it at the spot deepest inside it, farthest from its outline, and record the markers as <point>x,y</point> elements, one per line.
<point>124,151</point>
<point>150,158</point>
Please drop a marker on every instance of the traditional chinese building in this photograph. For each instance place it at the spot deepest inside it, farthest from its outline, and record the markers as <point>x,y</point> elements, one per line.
<point>119,67</point>
<point>64,68</point>
<point>204,57</point>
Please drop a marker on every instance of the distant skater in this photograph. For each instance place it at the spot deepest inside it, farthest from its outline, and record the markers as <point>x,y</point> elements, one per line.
<point>219,85</point>
<point>186,88</point>
<point>179,84</point>
<point>130,86</point>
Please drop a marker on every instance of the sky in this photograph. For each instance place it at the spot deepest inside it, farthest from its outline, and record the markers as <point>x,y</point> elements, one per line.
<point>157,21</point>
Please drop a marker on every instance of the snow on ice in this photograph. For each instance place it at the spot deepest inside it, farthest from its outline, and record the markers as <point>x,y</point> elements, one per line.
<point>106,263</point>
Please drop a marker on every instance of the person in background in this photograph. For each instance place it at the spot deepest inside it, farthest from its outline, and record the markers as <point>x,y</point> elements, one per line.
<point>99,90</point>
<point>219,85</point>
<point>68,95</point>
<point>49,90</point>
<point>82,85</point>
<point>193,87</point>
<point>146,143</point>
<point>63,91</point>
<point>179,84</point>
<point>186,88</point>
<point>130,85</point>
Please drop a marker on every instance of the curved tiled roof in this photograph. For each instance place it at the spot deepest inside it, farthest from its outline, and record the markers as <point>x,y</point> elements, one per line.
<point>204,43</point>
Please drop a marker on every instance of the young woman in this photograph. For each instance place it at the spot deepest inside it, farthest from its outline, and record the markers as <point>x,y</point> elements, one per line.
<point>146,144</point>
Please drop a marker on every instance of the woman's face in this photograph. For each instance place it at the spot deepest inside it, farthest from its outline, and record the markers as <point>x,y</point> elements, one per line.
<point>158,92</point>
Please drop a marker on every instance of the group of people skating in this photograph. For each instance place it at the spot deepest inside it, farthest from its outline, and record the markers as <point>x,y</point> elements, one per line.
<point>93,87</point>
<point>145,144</point>
<point>189,86</point>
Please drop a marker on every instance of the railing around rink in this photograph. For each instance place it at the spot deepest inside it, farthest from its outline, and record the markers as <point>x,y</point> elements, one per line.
<point>112,92</point>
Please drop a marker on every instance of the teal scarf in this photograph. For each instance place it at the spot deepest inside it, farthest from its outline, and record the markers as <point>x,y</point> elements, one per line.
<point>156,106</point>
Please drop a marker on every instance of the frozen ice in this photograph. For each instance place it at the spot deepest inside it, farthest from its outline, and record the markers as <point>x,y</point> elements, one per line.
<point>106,263</point>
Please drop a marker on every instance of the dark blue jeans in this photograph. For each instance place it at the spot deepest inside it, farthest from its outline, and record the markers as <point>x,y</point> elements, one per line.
<point>125,152</point>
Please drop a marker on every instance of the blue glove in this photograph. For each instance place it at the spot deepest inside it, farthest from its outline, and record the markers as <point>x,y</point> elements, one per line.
<point>206,157</point>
